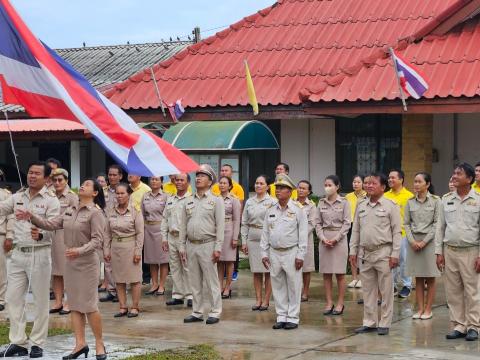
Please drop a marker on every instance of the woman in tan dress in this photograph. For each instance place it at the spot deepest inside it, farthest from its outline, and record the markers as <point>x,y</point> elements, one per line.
<point>123,248</point>
<point>84,226</point>
<point>421,216</point>
<point>252,224</point>
<point>153,204</point>
<point>304,190</point>
<point>333,223</point>
<point>232,230</point>
<point>67,198</point>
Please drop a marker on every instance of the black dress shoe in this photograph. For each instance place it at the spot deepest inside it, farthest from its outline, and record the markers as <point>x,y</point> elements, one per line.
<point>2,307</point>
<point>330,311</point>
<point>192,319</point>
<point>279,325</point>
<point>174,302</point>
<point>189,302</point>
<point>64,312</point>
<point>57,310</point>
<point>108,297</point>
<point>365,329</point>
<point>14,350</point>
<point>290,326</point>
<point>36,352</point>
<point>52,295</point>
<point>75,355</point>
<point>382,331</point>
<point>454,334</point>
<point>336,312</point>
<point>152,292</point>
<point>472,335</point>
<point>212,320</point>
<point>101,357</point>
<point>360,301</point>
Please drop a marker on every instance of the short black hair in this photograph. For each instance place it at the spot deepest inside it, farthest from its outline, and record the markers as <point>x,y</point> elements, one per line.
<point>428,179</point>
<point>100,198</point>
<point>54,161</point>
<point>116,166</point>
<point>47,170</point>
<point>308,183</point>
<point>126,186</point>
<point>189,178</point>
<point>477,164</point>
<point>358,176</point>
<point>265,177</point>
<point>230,166</point>
<point>287,168</point>
<point>401,174</point>
<point>229,180</point>
<point>381,177</point>
<point>468,169</point>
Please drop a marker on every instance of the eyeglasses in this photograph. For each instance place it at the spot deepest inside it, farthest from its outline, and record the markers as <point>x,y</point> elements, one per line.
<point>59,180</point>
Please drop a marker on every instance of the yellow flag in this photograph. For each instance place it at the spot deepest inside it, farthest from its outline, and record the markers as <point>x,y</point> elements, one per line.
<point>252,98</point>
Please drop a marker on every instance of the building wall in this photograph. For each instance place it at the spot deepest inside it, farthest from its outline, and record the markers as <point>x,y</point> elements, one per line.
<point>468,138</point>
<point>308,146</point>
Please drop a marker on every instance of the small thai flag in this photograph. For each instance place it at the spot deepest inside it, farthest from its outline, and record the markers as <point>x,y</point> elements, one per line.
<point>176,110</point>
<point>411,82</point>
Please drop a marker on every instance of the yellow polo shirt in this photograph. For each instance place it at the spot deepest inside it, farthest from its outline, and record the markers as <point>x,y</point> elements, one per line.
<point>137,196</point>
<point>476,187</point>
<point>401,198</point>
<point>352,199</point>
<point>171,189</point>
<point>237,190</point>
<point>272,192</point>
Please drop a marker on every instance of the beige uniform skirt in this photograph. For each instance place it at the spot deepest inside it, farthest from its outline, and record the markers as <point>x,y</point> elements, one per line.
<point>309,262</point>
<point>58,253</point>
<point>228,253</point>
<point>422,263</point>
<point>124,271</point>
<point>81,282</point>
<point>333,260</point>
<point>152,246</point>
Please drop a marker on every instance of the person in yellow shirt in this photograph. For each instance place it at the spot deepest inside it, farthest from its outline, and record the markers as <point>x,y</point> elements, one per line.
<point>282,168</point>
<point>170,188</point>
<point>138,190</point>
<point>400,195</point>
<point>237,190</point>
<point>476,184</point>
<point>356,195</point>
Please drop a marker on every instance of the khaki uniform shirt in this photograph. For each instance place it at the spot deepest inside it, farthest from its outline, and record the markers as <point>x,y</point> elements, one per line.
<point>333,216</point>
<point>311,212</point>
<point>153,206</point>
<point>285,228</point>
<point>253,217</point>
<point>377,225</point>
<point>110,198</point>
<point>203,219</point>
<point>121,226</point>
<point>233,210</point>
<point>172,215</point>
<point>459,222</point>
<point>6,222</point>
<point>421,217</point>
<point>84,227</point>
<point>137,195</point>
<point>44,204</point>
<point>67,199</point>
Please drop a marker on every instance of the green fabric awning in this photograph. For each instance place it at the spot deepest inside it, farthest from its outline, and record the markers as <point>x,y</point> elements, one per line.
<point>221,135</point>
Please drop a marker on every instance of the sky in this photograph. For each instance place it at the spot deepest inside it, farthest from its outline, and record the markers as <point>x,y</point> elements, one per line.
<point>69,23</point>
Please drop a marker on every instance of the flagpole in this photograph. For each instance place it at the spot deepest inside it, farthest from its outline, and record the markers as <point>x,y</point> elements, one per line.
<point>402,95</point>
<point>158,92</point>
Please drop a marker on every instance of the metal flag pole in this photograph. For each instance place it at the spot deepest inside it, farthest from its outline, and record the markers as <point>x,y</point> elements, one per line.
<point>402,95</point>
<point>158,92</point>
<point>15,155</point>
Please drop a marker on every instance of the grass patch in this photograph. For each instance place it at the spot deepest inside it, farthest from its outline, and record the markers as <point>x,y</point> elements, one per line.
<point>4,327</point>
<point>196,352</point>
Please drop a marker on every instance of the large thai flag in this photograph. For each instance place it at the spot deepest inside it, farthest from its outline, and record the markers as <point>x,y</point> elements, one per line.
<point>411,81</point>
<point>34,76</point>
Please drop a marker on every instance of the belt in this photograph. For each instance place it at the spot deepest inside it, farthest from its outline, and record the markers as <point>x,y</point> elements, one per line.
<point>228,219</point>
<point>197,242</point>
<point>332,228</point>
<point>153,222</point>
<point>283,249</point>
<point>460,248</point>
<point>123,238</point>
<point>375,247</point>
<point>174,232</point>
<point>255,226</point>
<point>30,249</point>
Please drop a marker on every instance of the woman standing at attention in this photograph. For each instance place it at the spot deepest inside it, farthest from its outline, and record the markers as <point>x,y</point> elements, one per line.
<point>252,226</point>
<point>333,224</point>
<point>353,198</point>
<point>304,190</point>
<point>421,215</point>
<point>232,229</point>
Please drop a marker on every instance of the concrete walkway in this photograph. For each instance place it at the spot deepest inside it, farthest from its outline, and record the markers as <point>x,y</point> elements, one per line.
<point>244,334</point>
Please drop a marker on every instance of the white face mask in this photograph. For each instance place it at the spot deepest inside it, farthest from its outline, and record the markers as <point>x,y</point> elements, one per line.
<point>330,190</point>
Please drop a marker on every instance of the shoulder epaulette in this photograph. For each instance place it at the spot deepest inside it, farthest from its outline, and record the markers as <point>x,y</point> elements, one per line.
<point>296,202</point>
<point>6,190</point>
<point>447,194</point>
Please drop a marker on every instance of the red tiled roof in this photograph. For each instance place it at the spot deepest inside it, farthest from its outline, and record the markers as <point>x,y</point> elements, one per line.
<point>450,63</point>
<point>291,46</point>
<point>41,125</point>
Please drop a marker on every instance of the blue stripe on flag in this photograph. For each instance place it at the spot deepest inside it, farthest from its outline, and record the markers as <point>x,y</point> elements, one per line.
<point>11,44</point>
<point>412,80</point>
<point>136,166</point>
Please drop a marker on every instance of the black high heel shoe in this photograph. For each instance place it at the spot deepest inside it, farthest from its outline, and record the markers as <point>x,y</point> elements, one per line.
<point>224,296</point>
<point>75,355</point>
<point>152,292</point>
<point>329,312</point>
<point>102,356</point>
<point>336,312</point>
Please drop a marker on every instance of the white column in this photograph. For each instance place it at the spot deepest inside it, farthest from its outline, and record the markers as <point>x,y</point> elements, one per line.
<point>75,164</point>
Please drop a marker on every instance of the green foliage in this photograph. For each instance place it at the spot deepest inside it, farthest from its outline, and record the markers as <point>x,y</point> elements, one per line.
<point>196,352</point>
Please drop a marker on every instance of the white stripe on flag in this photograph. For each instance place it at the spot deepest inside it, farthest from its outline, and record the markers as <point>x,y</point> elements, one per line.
<point>413,72</point>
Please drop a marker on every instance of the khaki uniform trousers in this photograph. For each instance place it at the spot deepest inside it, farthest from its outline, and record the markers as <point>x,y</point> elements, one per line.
<point>203,277</point>
<point>3,271</point>
<point>107,267</point>
<point>286,284</point>
<point>376,275</point>
<point>39,263</point>
<point>181,283</point>
<point>462,285</point>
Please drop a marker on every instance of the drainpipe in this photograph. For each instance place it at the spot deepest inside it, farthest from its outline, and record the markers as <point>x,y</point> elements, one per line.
<point>455,139</point>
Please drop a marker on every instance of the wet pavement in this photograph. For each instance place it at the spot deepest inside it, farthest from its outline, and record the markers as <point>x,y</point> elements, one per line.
<point>245,334</point>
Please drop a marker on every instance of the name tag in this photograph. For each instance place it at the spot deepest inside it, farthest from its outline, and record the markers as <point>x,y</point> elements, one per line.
<point>450,203</point>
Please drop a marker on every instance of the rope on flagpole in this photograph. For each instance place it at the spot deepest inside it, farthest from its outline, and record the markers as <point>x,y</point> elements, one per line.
<point>15,155</point>
<point>158,92</point>
<point>402,95</point>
